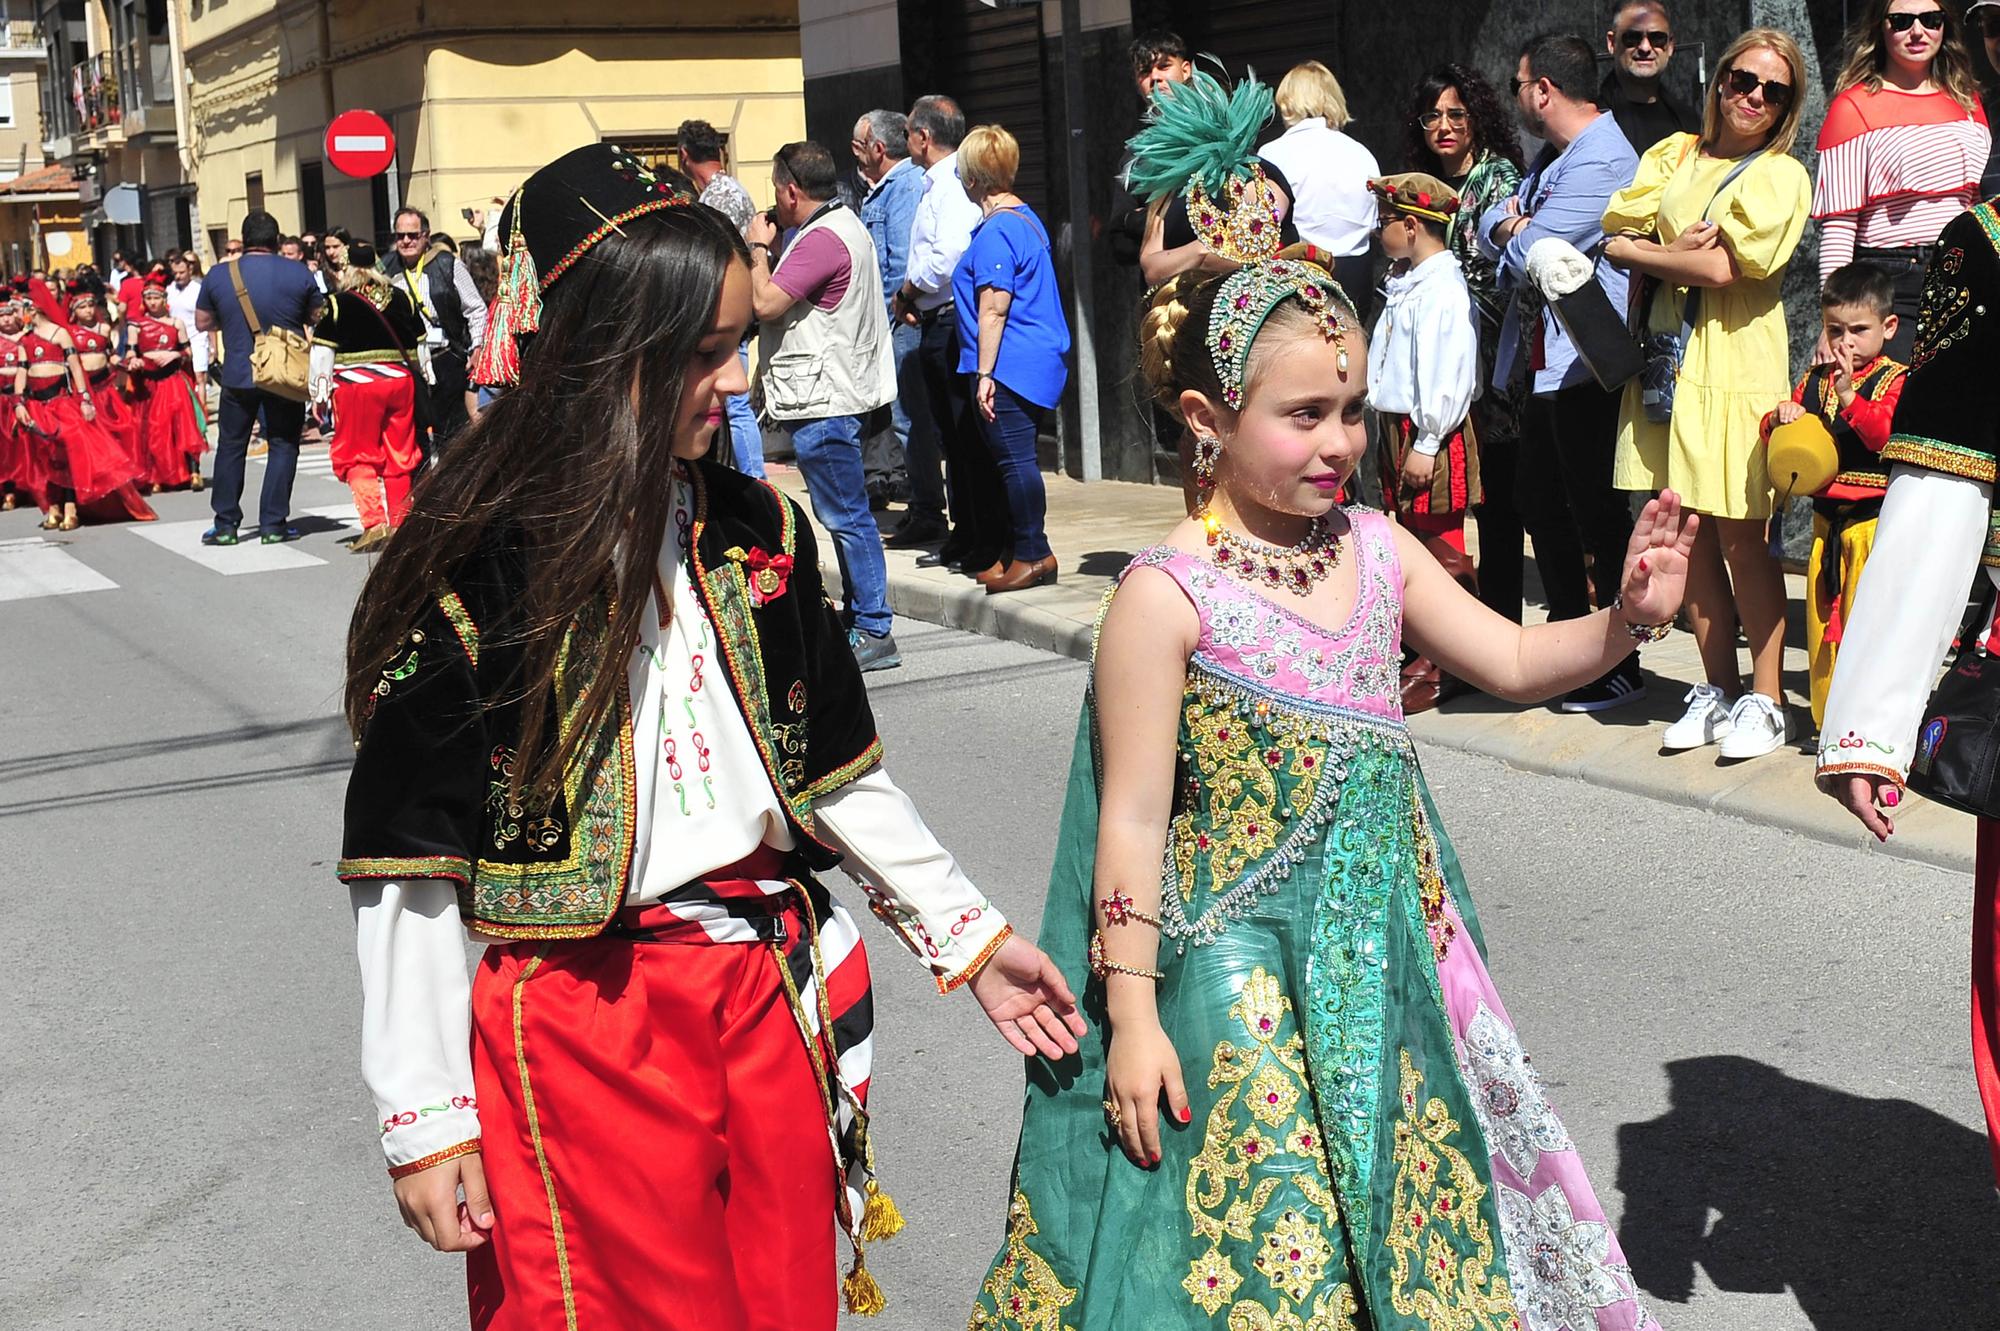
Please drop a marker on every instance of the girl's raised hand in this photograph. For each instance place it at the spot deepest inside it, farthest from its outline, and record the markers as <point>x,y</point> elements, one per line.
<point>1656,561</point>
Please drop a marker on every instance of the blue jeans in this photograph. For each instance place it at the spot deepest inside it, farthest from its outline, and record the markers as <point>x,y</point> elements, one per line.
<point>828,453</point>
<point>1011,436</point>
<point>916,428</point>
<point>283,421</point>
<point>746,437</point>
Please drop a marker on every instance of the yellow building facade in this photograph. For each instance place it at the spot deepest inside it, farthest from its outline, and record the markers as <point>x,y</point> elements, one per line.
<point>479,95</point>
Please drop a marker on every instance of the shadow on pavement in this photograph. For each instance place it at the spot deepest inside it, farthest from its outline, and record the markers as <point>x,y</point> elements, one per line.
<point>1873,1213</point>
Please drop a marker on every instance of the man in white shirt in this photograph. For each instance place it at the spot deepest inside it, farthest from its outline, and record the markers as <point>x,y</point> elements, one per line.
<point>182,293</point>
<point>945,218</point>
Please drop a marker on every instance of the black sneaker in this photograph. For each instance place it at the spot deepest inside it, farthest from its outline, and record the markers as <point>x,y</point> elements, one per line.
<point>220,535</point>
<point>873,653</point>
<point>1623,685</point>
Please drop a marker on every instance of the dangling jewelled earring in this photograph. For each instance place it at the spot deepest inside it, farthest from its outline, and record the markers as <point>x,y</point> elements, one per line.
<point>1207,452</point>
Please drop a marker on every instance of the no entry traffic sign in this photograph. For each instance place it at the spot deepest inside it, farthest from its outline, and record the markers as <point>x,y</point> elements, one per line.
<point>360,144</point>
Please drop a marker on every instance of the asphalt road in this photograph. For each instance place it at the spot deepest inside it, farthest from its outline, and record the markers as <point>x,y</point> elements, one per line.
<point>1758,1040</point>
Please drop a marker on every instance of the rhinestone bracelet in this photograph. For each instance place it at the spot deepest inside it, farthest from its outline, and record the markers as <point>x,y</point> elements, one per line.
<point>1642,633</point>
<point>1119,909</point>
<point>1102,966</point>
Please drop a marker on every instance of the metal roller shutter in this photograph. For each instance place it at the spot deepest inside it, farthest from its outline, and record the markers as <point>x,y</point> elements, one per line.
<point>993,64</point>
<point>1269,36</point>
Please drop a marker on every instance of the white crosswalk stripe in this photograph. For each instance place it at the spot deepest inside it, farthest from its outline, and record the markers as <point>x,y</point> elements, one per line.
<point>252,555</point>
<point>32,567</point>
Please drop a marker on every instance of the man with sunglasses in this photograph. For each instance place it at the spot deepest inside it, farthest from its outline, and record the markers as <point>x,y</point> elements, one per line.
<point>454,318</point>
<point>1640,41</point>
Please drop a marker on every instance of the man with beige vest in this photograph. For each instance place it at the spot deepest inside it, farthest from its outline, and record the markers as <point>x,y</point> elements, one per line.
<point>826,364</point>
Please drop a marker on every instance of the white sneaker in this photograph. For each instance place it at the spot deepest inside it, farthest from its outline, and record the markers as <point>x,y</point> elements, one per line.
<point>1707,719</point>
<point>1757,726</point>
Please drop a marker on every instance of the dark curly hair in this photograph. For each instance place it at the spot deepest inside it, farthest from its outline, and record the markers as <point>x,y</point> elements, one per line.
<point>1492,126</point>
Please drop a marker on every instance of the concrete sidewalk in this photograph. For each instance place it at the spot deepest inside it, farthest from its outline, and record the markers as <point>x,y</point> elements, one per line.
<point>1097,528</point>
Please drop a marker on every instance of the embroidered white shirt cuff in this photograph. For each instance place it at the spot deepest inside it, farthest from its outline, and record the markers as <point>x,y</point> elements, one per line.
<point>416,1017</point>
<point>1905,610</point>
<point>913,884</point>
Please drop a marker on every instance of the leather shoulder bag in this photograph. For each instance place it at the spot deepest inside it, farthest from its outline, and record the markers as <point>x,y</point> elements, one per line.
<point>280,359</point>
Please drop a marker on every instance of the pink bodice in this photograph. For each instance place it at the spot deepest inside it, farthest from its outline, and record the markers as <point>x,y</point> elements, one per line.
<point>1257,642</point>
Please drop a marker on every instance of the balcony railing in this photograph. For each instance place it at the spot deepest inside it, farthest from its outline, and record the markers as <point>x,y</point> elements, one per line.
<point>20,34</point>
<point>93,92</point>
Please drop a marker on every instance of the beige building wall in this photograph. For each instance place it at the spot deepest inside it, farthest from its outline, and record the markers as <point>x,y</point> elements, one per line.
<point>479,96</point>
<point>21,135</point>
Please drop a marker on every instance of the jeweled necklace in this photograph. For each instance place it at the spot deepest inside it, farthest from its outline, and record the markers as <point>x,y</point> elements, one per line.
<point>1298,568</point>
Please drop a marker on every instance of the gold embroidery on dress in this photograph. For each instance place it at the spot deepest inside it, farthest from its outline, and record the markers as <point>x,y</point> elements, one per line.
<point>1331,1311</point>
<point>1431,887</point>
<point>1236,806</point>
<point>1025,1292</point>
<point>1230,1184</point>
<point>1434,1220</point>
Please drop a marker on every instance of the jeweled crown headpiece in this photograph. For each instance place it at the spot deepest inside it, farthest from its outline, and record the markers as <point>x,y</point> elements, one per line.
<point>1245,302</point>
<point>1200,140</point>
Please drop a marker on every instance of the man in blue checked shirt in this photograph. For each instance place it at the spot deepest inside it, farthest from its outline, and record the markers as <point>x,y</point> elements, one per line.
<point>1569,423</point>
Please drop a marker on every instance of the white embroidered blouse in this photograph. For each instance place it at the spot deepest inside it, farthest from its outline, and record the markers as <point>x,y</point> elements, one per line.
<point>1906,608</point>
<point>710,803</point>
<point>1423,361</point>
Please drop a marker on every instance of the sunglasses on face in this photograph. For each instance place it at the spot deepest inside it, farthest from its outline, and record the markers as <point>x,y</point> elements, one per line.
<point>1932,19</point>
<point>409,235</point>
<point>1454,116</point>
<point>1633,38</point>
<point>1741,83</point>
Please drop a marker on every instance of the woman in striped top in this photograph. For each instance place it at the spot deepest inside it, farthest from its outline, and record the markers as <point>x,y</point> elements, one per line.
<point>1902,149</point>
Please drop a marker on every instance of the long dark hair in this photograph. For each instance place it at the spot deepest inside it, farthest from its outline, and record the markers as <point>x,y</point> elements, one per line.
<point>1868,56</point>
<point>1492,126</point>
<point>573,464</point>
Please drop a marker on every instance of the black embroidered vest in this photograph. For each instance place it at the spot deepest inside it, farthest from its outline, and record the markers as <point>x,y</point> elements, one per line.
<point>1949,417</point>
<point>428,797</point>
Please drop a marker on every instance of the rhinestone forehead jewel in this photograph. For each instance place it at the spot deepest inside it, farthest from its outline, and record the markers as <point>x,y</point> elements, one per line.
<point>1246,300</point>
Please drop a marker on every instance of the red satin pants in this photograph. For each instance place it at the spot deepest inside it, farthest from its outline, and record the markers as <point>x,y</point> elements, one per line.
<point>654,1139</point>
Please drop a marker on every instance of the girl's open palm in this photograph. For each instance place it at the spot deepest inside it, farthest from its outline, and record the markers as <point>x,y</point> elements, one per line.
<point>1656,561</point>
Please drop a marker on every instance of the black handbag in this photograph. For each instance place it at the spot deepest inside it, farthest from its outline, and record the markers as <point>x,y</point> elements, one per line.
<point>1957,762</point>
<point>1665,351</point>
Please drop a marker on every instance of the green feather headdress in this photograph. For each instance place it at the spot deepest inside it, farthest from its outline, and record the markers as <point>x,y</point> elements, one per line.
<point>1198,132</point>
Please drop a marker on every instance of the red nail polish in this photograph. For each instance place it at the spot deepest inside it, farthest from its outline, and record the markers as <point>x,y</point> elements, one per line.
<point>1891,798</point>
<point>1156,1159</point>
<point>1642,565</point>
<point>1187,1115</point>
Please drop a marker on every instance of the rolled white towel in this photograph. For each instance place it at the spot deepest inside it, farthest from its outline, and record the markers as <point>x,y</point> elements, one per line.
<point>1557,267</point>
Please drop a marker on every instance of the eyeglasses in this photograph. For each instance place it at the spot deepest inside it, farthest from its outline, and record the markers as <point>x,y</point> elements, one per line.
<point>1514,86</point>
<point>409,235</point>
<point>1932,19</point>
<point>1457,115</point>
<point>1633,38</point>
<point>1741,83</point>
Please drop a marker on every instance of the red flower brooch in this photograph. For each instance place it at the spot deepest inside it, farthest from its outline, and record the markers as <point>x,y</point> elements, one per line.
<point>768,574</point>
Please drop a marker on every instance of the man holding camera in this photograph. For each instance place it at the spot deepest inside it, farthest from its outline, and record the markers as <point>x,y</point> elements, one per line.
<point>454,318</point>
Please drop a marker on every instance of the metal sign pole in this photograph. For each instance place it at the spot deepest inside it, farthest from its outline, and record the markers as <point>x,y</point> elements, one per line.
<point>1080,240</point>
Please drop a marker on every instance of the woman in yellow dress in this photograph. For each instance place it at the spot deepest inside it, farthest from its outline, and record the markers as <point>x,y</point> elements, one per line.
<point>1719,215</point>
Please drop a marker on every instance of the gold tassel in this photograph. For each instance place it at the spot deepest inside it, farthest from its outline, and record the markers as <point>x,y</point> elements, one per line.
<point>864,1297</point>
<point>880,1218</point>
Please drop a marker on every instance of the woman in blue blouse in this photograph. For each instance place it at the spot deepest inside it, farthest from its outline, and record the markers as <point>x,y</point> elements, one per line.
<point>1013,337</point>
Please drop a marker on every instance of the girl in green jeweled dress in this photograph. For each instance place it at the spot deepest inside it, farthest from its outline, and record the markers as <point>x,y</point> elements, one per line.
<point>1287,968</point>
